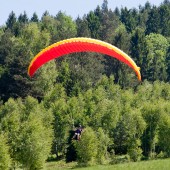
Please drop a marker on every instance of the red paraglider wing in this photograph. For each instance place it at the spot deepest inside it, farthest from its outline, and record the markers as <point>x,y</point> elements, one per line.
<point>80,45</point>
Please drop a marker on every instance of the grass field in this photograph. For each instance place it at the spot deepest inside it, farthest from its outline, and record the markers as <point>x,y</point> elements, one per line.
<point>163,164</point>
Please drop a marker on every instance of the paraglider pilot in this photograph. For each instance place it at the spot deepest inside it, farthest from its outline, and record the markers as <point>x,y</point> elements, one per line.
<point>77,134</point>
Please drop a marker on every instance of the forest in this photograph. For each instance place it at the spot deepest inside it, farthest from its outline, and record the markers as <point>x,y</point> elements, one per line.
<point>121,116</point>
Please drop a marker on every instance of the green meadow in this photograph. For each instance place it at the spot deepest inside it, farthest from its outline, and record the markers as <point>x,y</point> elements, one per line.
<point>162,164</point>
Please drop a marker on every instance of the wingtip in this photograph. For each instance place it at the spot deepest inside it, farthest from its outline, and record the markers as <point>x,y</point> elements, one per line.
<point>139,77</point>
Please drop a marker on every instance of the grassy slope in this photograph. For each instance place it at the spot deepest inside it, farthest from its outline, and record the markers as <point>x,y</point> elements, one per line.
<point>144,165</point>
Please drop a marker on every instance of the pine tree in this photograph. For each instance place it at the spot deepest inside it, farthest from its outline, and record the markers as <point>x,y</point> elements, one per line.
<point>11,21</point>
<point>34,18</point>
<point>164,12</point>
<point>93,24</point>
<point>153,22</point>
<point>23,18</point>
<point>138,46</point>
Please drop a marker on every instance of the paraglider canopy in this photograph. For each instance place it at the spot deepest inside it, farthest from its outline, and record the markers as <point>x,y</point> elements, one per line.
<point>73,45</point>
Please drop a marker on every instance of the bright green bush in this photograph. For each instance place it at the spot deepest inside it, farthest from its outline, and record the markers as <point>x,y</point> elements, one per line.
<point>5,160</point>
<point>87,147</point>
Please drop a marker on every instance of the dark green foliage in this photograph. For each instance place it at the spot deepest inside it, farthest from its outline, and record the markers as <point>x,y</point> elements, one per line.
<point>34,18</point>
<point>93,24</point>
<point>129,18</point>
<point>168,63</point>
<point>153,22</point>
<point>164,12</point>
<point>10,24</point>
<point>138,46</point>
<point>23,18</point>
<point>71,154</point>
<point>66,27</point>
<point>121,72</point>
<point>82,27</point>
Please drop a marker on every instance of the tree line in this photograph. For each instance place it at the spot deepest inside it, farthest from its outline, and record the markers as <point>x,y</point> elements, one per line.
<point>121,116</point>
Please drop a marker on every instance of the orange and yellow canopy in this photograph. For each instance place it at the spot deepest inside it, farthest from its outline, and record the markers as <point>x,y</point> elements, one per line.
<point>73,45</point>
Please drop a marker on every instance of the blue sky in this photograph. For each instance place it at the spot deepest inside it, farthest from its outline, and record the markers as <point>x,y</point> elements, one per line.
<point>70,7</point>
